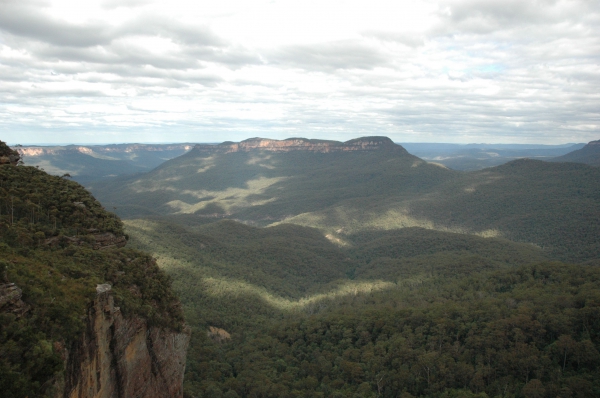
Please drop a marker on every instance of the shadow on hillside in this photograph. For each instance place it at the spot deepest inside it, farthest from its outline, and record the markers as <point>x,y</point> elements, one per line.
<point>266,187</point>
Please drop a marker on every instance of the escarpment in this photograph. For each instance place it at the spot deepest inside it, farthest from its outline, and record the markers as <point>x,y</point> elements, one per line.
<point>8,155</point>
<point>120,356</point>
<point>302,144</point>
<point>80,314</point>
<point>102,150</point>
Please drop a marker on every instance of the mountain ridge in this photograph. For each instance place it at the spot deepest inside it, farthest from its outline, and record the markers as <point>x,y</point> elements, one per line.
<point>589,154</point>
<point>302,144</point>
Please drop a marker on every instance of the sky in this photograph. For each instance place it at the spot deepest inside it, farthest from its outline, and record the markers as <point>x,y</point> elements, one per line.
<point>457,71</point>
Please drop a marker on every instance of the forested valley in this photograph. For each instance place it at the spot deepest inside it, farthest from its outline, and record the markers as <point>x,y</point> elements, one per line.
<point>375,274</point>
<point>338,269</point>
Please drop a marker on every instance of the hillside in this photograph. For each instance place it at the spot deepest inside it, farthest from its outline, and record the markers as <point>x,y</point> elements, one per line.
<point>270,180</point>
<point>344,188</point>
<point>87,163</point>
<point>471,157</point>
<point>589,154</point>
<point>58,247</point>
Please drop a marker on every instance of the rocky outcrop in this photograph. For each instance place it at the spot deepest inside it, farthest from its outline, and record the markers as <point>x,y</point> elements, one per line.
<point>302,144</point>
<point>101,241</point>
<point>8,155</point>
<point>10,299</point>
<point>124,357</point>
<point>218,335</point>
<point>595,144</point>
<point>108,241</point>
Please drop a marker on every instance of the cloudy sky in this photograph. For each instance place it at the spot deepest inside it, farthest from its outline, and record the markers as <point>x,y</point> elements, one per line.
<point>507,71</point>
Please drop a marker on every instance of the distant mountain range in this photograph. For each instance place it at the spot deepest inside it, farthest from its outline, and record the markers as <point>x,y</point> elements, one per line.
<point>589,154</point>
<point>469,157</point>
<point>88,163</point>
<point>369,183</point>
<point>85,163</point>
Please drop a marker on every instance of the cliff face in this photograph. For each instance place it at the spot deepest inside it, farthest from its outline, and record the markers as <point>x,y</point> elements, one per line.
<point>124,357</point>
<point>302,144</point>
<point>594,143</point>
<point>8,155</point>
<point>10,299</point>
<point>33,151</point>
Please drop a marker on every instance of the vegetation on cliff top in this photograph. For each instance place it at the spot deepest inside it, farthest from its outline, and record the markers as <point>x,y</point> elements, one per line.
<point>48,240</point>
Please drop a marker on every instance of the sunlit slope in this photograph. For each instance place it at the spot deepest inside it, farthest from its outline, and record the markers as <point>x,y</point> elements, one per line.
<point>289,267</point>
<point>281,290</point>
<point>553,205</point>
<point>289,260</point>
<point>395,255</point>
<point>264,187</point>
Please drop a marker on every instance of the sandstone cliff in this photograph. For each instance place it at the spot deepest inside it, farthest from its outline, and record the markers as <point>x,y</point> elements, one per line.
<point>8,155</point>
<point>33,151</point>
<point>302,144</point>
<point>124,357</point>
<point>59,337</point>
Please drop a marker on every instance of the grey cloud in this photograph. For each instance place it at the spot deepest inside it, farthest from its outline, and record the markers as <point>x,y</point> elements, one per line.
<point>329,56</point>
<point>409,40</point>
<point>112,4</point>
<point>23,19</point>
<point>97,44</point>
<point>232,56</point>
<point>483,17</point>
<point>192,76</point>
<point>154,25</point>
<point>117,54</point>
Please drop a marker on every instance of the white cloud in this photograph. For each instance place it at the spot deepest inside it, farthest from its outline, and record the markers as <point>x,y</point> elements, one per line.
<point>454,71</point>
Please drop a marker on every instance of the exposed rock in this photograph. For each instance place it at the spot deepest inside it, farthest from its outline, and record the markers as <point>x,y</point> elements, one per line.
<point>302,144</point>
<point>100,241</point>
<point>108,241</point>
<point>103,288</point>
<point>217,334</point>
<point>10,299</point>
<point>8,156</point>
<point>124,357</point>
<point>33,151</point>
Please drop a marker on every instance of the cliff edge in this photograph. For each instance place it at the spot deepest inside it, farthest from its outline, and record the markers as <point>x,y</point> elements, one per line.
<point>120,356</point>
<point>302,144</point>
<point>80,314</point>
